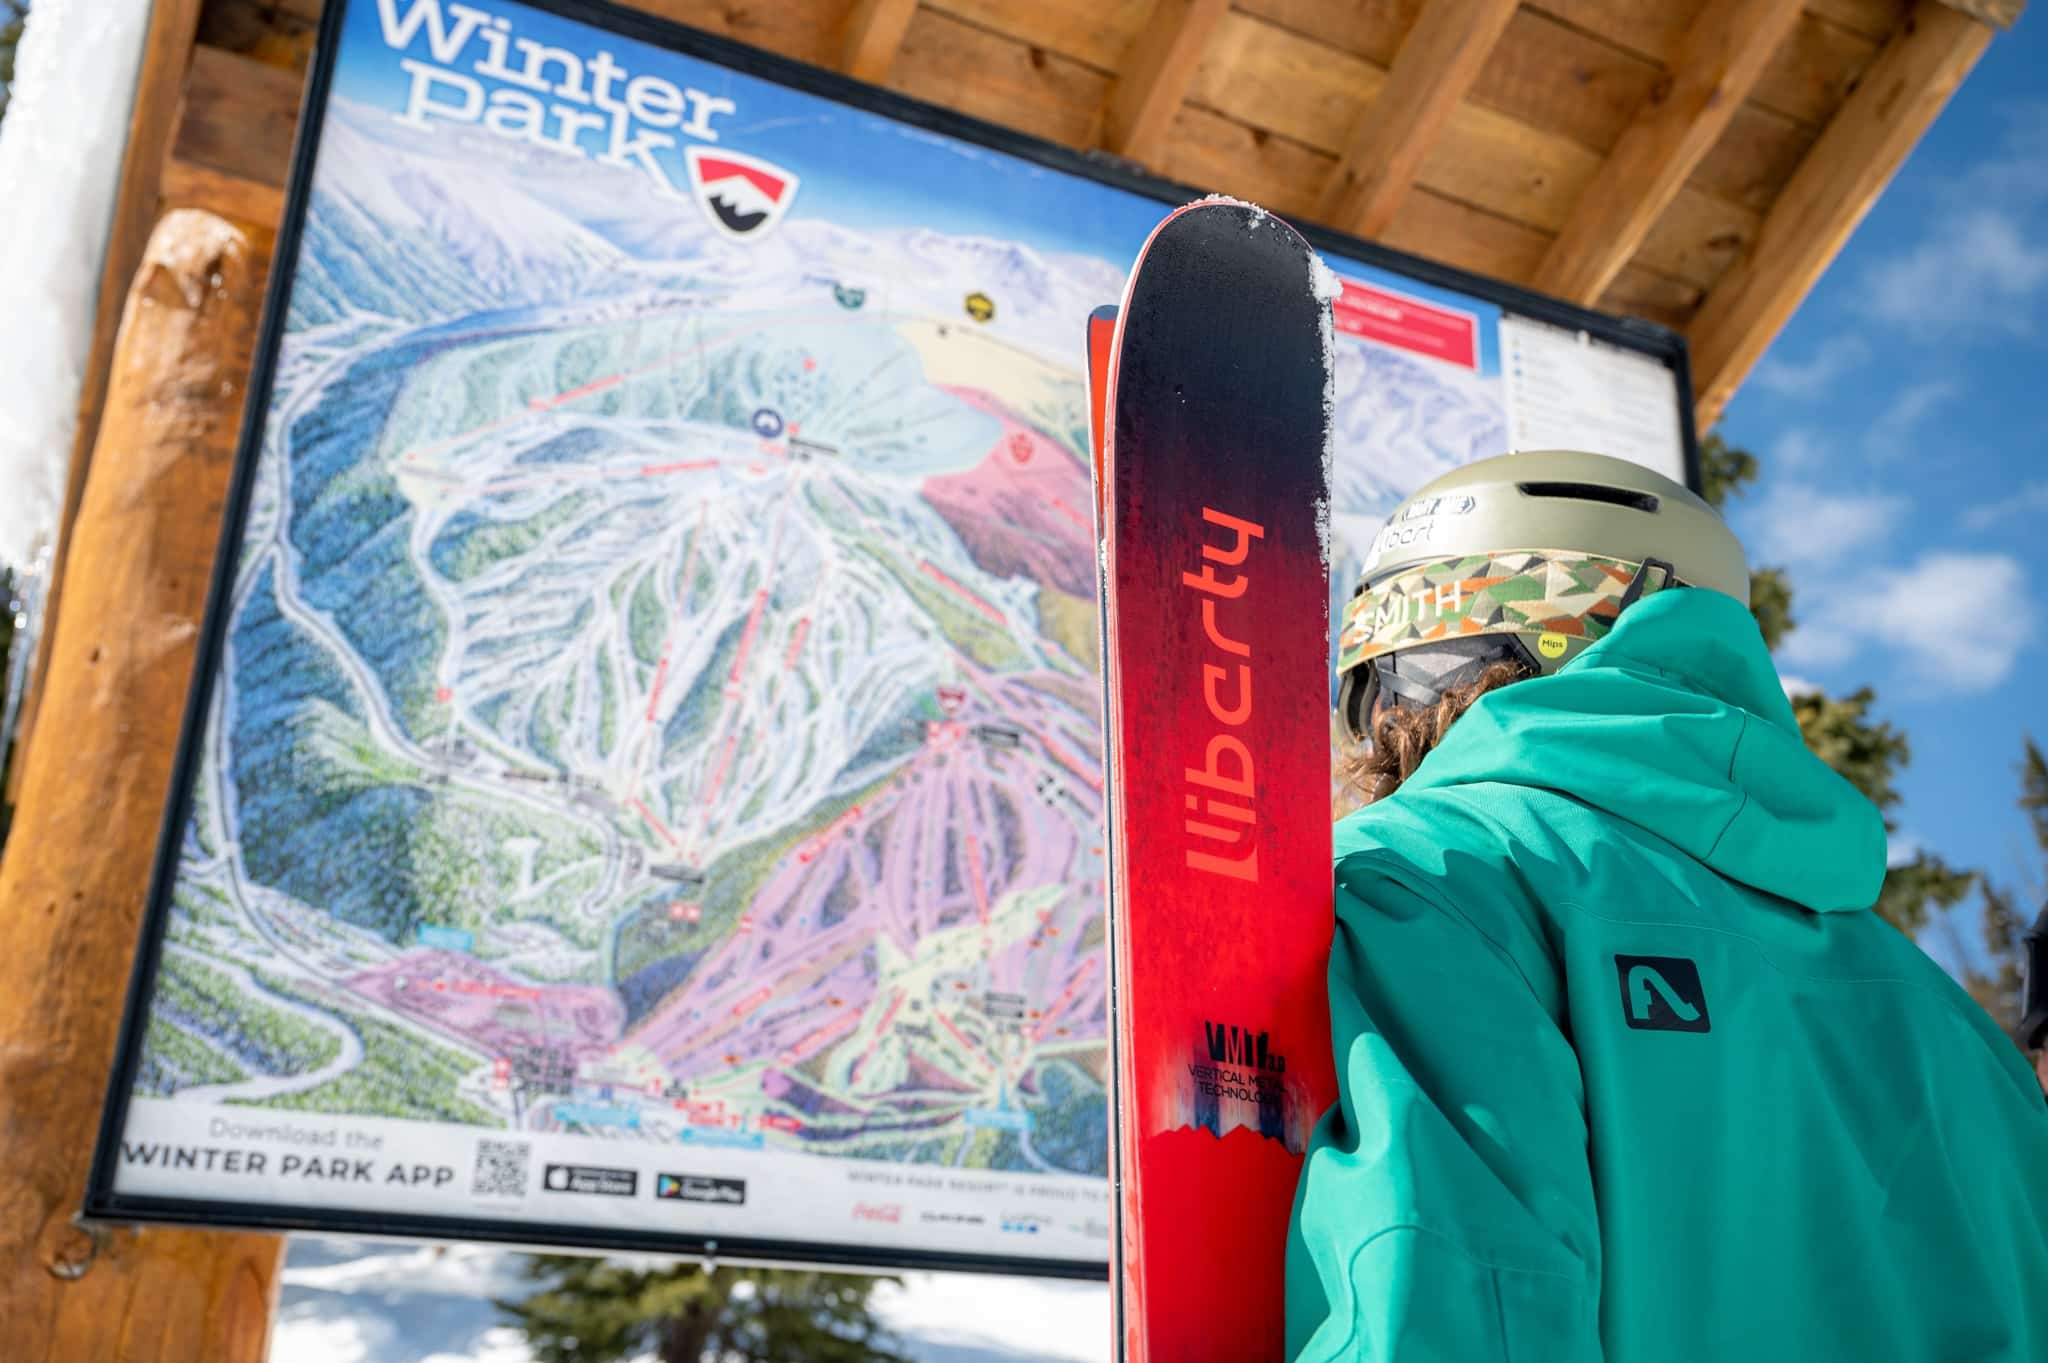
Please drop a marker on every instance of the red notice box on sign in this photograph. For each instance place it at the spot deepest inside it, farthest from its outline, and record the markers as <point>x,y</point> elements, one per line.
<point>1407,323</point>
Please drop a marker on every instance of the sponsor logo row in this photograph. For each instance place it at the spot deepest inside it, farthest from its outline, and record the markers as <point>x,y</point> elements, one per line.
<point>1009,1223</point>
<point>593,1180</point>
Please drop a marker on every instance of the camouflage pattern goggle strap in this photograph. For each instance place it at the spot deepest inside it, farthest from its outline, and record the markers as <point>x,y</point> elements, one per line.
<point>1520,591</point>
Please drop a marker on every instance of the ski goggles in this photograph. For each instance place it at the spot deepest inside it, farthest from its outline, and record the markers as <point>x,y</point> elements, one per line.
<point>1418,677</point>
<point>1459,616</point>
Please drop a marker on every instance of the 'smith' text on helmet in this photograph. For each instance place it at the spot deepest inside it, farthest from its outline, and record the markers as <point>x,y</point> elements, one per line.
<point>1399,607</point>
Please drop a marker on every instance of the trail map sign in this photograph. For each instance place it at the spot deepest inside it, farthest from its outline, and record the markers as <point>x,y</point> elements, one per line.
<point>643,780</point>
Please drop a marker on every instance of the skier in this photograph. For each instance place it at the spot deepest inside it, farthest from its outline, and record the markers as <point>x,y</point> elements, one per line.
<point>1627,1068</point>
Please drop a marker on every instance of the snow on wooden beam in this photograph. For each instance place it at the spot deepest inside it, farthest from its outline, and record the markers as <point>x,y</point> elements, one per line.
<point>152,118</point>
<point>1856,156</point>
<point>874,34</point>
<point>1724,52</point>
<point>1155,76</point>
<point>1438,61</point>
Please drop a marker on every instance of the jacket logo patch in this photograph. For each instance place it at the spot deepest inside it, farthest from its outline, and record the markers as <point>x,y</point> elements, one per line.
<point>1662,994</point>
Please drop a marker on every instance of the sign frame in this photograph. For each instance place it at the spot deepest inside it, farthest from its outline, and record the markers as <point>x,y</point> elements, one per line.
<point>103,1203</point>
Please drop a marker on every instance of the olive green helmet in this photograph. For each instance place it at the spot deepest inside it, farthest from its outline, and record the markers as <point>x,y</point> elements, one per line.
<point>1523,558</point>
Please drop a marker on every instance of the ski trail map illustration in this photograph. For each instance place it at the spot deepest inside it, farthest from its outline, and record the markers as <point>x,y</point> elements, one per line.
<point>649,782</point>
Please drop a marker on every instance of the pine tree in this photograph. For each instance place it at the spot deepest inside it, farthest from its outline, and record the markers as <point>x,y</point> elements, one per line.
<point>598,1311</point>
<point>2006,911</point>
<point>1869,753</point>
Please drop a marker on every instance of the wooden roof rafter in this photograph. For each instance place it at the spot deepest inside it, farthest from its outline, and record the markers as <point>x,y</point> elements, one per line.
<point>1439,59</point>
<point>1865,143</point>
<point>1155,76</point>
<point>874,34</point>
<point>1720,61</point>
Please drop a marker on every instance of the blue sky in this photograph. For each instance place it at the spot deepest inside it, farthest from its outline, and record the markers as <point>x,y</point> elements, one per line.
<point>1905,463</point>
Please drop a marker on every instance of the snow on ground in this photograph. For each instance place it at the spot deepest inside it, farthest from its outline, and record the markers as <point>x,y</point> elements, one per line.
<point>60,149</point>
<point>360,1302</point>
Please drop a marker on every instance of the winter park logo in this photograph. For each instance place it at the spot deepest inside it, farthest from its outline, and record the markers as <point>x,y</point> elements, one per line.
<point>1662,994</point>
<point>482,72</point>
<point>744,195</point>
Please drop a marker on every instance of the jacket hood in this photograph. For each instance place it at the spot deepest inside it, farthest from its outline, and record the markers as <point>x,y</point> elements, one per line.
<point>1676,722</point>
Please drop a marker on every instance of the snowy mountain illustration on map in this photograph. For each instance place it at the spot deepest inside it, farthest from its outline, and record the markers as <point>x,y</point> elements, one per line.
<point>659,697</point>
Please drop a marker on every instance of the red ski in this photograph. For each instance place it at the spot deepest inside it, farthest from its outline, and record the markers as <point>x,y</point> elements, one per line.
<point>1214,496</point>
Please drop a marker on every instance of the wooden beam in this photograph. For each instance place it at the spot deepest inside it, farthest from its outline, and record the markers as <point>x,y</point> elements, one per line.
<point>874,34</point>
<point>246,202</point>
<point>1155,76</point>
<point>77,869</point>
<point>151,120</point>
<point>986,75</point>
<point>241,116</point>
<point>1866,142</point>
<point>1439,59</point>
<point>1723,54</point>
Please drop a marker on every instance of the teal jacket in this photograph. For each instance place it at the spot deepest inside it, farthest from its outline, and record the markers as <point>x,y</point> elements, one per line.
<point>1627,1069</point>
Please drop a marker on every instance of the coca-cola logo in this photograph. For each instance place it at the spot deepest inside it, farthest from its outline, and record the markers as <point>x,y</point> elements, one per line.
<point>891,1212</point>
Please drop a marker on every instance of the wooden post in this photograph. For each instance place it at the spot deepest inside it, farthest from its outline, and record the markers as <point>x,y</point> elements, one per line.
<point>78,858</point>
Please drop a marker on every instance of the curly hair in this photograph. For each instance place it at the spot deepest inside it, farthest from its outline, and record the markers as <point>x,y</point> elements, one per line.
<point>1402,736</point>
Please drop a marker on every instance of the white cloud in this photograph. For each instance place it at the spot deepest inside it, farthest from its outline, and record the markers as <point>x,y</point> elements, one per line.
<point>1891,435</point>
<point>1914,402</point>
<point>2030,499</point>
<point>1900,848</point>
<point>1798,449</point>
<point>1812,377</point>
<point>1984,255</point>
<point>1798,523</point>
<point>2018,173</point>
<point>1795,687</point>
<point>1952,623</point>
<point>1975,273</point>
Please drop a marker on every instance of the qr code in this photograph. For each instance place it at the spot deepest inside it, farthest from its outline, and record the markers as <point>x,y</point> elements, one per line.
<point>501,1168</point>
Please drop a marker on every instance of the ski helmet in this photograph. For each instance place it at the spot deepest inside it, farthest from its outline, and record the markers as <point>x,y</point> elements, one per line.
<point>1522,558</point>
